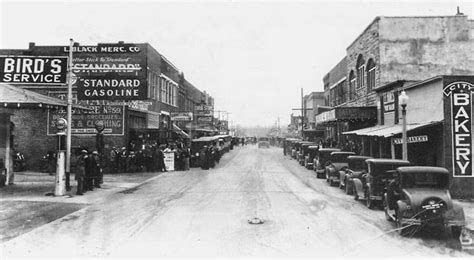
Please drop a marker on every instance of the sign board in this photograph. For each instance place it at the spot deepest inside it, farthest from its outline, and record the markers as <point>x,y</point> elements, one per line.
<point>412,139</point>
<point>204,108</point>
<point>83,122</point>
<point>204,113</point>
<point>389,101</point>
<point>50,70</point>
<point>204,119</point>
<point>110,72</point>
<point>169,161</point>
<point>460,93</point>
<point>181,116</point>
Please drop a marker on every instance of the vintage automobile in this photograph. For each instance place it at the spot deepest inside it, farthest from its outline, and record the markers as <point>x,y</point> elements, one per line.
<point>263,142</point>
<point>356,167</point>
<point>337,162</point>
<point>309,158</point>
<point>371,186</point>
<point>196,147</point>
<point>321,160</point>
<point>288,145</point>
<point>304,151</point>
<point>419,196</point>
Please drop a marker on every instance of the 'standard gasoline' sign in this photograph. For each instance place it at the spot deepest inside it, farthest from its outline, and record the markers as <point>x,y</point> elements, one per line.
<point>110,72</point>
<point>461,120</point>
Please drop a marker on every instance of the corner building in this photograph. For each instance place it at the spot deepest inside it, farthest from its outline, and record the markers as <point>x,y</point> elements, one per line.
<point>159,88</point>
<point>391,54</point>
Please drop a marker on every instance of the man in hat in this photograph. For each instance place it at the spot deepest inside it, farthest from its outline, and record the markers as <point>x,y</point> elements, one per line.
<point>95,169</point>
<point>81,172</point>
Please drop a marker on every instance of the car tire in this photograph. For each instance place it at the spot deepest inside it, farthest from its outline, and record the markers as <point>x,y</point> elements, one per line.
<point>368,201</point>
<point>347,189</point>
<point>403,229</point>
<point>385,210</point>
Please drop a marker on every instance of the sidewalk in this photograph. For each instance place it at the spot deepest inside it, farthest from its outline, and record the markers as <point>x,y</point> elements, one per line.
<point>29,203</point>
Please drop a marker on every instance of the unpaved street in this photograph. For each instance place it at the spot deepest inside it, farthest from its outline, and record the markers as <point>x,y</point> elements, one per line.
<point>205,213</point>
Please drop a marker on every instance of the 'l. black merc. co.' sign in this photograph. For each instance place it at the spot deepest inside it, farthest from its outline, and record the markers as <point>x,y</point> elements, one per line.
<point>33,70</point>
<point>461,120</point>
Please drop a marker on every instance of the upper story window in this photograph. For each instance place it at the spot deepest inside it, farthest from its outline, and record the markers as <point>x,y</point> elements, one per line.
<point>352,85</point>
<point>360,72</point>
<point>370,75</point>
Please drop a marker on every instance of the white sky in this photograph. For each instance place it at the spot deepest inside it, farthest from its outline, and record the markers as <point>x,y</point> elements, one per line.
<point>252,57</point>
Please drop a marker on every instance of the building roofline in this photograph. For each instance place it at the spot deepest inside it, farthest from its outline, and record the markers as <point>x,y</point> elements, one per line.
<point>377,18</point>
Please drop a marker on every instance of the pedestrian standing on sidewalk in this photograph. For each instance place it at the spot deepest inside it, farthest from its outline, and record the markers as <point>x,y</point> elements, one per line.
<point>185,155</point>
<point>81,172</point>
<point>88,184</point>
<point>95,169</point>
<point>113,160</point>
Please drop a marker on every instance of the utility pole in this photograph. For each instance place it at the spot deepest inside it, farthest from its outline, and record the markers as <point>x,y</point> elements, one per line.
<point>69,118</point>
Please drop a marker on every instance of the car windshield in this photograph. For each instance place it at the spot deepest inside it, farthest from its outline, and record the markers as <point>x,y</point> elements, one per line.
<point>425,180</point>
<point>339,157</point>
<point>357,165</point>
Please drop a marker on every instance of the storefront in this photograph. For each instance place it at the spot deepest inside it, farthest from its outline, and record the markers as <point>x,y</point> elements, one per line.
<point>341,119</point>
<point>439,128</point>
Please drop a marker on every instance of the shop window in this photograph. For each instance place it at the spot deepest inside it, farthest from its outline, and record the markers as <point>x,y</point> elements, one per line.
<point>360,72</point>
<point>370,75</point>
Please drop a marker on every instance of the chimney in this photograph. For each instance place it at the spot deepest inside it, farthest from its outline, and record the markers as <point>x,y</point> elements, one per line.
<point>121,42</point>
<point>31,45</point>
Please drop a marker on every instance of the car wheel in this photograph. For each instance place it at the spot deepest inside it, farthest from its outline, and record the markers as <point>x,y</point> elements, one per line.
<point>368,201</point>
<point>456,232</point>
<point>403,229</point>
<point>385,209</point>
<point>347,189</point>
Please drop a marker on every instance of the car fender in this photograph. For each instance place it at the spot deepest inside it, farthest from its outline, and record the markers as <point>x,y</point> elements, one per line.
<point>455,214</point>
<point>403,207</point>
<point>342,176</point>
<point>359,189</point>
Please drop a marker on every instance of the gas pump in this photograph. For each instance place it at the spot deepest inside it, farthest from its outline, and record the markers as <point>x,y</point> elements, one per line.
<point>60,180</point>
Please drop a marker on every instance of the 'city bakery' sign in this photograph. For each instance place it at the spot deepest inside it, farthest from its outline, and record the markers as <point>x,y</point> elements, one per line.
<point>33,70</point>
<point>461,120</point>
<point>110,72</point>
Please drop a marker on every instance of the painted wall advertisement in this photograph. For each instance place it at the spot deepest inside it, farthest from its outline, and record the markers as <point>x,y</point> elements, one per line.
<point>51,70</point>
<point>460,93</point>
<point>83,122</point>
<point>110,72</point>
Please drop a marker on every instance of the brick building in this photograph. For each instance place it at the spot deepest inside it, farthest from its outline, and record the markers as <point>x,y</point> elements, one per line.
<point>161,87</point>
<point>390,55</point>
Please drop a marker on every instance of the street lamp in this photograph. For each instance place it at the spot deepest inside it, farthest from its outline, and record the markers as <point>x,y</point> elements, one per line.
<point>403,98</point>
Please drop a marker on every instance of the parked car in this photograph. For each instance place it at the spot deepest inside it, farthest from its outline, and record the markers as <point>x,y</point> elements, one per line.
<point>337,162</point>
<point>263,142</point>
<point>356,167</point>
<point>371,186</point>
<point>309,158</point>
<point>304,151</point>
<point>197,146</point>
<point>419,196</point>
<point>321,159</point>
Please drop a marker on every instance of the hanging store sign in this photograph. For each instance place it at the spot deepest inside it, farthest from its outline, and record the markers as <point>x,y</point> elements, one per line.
<point>204,108</point>
<point>461,126</point>
<point>204,119</point>
<point>412,139</point>
<point>83,122</point>
<point>50,70</point>
<point>181,116</point>
<point>389,101</point>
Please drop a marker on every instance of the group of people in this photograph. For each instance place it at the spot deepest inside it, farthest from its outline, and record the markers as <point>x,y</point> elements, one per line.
<point>210,155</point>
<point>149,157</point>
<point>88,171</point>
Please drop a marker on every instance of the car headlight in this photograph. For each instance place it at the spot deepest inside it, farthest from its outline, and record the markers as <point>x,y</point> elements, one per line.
<point>197,154</point>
